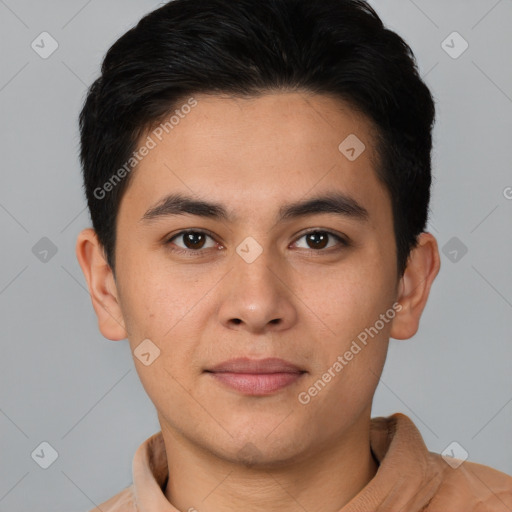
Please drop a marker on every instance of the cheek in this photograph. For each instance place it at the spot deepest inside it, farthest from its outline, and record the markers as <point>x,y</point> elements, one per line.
<point>360,313</point>
<point>353,358</point>
<point>169,312</point>
<point>153,301</point>
<point>350,299</point>
<point>162,314</point>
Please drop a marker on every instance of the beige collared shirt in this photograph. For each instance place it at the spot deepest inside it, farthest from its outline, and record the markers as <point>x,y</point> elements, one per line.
<point>409,478</point>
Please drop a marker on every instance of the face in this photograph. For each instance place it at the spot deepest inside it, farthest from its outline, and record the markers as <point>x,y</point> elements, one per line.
<point>293,260</point>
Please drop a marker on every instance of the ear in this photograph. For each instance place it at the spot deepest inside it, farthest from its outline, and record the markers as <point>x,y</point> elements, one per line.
<point>102,286</point>
<point>422,267</point>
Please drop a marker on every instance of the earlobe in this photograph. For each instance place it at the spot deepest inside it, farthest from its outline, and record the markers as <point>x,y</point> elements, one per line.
<point>422,268</point>
<point>101,284</point>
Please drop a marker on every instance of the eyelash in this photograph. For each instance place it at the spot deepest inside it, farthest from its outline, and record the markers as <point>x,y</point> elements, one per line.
<point>192,253</point>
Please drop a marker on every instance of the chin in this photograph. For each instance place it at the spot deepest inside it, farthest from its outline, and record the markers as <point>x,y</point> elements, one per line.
<point>263,448</point>
<point>263,456</point>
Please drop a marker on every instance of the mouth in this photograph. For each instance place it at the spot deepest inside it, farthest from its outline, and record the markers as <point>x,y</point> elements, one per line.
<point>256,377</point>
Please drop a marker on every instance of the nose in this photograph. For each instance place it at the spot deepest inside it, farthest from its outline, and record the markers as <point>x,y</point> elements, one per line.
<point>256,296</point>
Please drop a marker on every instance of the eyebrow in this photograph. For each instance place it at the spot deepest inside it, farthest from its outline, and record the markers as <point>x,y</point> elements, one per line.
<point>335,202</point>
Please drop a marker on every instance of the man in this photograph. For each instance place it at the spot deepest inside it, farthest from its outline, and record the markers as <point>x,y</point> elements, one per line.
<point>258,176</point>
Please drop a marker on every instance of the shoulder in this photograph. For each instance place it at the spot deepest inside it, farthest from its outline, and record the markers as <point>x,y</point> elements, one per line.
<point>121,502</point>
<point>470,487</point>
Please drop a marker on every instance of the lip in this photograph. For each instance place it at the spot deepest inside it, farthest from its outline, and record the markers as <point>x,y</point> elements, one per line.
<point>260,366</point>
<point>257,377</point>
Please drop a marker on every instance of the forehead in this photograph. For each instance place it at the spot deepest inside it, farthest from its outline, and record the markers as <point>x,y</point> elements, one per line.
<point>259,151</point>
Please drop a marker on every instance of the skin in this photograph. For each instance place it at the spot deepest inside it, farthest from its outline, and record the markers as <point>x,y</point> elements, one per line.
<point>227,450</point>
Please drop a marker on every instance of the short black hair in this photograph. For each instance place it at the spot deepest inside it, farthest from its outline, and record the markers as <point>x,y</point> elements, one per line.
<point>246,48</point>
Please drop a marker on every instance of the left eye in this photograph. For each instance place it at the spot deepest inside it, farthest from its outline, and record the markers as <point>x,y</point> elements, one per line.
<point>320,240</point>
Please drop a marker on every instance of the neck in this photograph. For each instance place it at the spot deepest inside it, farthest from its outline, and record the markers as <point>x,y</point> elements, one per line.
<point>325,480</point>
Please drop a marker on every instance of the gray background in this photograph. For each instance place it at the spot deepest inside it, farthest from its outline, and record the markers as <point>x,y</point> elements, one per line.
<point>63,383</point>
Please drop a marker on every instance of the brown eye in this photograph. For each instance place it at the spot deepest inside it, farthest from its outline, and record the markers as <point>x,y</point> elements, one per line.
<point>318,240</point>
<point>191,240</point>
<point>194,240</point>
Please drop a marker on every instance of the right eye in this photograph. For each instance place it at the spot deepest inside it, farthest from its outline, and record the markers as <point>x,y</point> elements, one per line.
<point>193,241</point>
